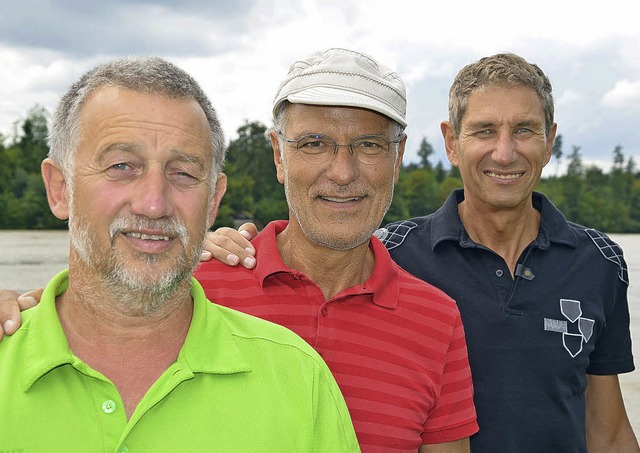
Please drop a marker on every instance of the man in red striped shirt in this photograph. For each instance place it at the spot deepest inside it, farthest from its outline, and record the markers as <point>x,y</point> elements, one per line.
<point>394,343</point>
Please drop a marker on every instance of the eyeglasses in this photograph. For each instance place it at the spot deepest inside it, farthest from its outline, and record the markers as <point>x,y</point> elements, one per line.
<point>318,149</point>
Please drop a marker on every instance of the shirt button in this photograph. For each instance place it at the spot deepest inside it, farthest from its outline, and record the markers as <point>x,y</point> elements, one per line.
<point>108,406</point>
<point>123,449</point>
<point>324,311</point>
<point>499,272</point>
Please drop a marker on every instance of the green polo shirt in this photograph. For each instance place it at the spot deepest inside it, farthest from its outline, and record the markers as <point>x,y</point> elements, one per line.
<point>239,384</point>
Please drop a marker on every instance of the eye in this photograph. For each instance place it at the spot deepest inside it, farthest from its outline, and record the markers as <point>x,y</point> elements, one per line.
<point>184,174</point>
<point>311,144</point>
<point>121,170</point>
<point>315,144</point>
<point>120,166</point>
<point>369,144</point>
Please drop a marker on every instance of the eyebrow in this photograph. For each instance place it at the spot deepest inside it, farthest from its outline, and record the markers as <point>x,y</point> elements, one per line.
<point>374,134</point>
<point>180,156</point>
<point>132,148</point>
<point>129,148</point>
<point>481,124</point>
<point>126,147</point>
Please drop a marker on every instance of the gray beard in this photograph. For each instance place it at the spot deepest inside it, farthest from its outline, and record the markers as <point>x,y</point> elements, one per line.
<point>135,293</point>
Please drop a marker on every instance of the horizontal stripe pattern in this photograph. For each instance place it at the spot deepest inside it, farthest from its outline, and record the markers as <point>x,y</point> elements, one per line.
<point>395,345</point>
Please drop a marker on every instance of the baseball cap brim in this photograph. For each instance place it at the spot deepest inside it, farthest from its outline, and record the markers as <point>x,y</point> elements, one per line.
<point>331,96</point>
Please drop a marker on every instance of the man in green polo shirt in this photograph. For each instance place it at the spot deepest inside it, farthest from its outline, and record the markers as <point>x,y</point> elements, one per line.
<point>124,353</point>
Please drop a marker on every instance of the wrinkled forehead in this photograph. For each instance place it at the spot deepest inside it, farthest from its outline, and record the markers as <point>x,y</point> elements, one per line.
<point>113,115</point>
<point>338,118</point>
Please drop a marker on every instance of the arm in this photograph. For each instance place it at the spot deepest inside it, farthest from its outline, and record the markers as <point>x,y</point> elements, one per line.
<point>457,446</point>
<point>608,427</point>
<point>11,304</point>
<point>230,246</point>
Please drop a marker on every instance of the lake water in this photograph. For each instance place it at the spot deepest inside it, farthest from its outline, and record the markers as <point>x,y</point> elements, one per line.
<point>28,259</point>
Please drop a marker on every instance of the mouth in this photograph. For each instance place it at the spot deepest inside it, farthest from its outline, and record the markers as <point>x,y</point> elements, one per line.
<point>504,176</point>
<point>341,199</point>
<point>149,242</point>
<point>146,237</point>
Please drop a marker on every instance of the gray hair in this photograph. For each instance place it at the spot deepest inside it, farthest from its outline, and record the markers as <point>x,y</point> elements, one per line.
<point>151,75</point>
<point>494,71</point>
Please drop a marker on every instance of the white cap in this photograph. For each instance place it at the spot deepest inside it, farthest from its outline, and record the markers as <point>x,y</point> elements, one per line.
<point>342,77</point>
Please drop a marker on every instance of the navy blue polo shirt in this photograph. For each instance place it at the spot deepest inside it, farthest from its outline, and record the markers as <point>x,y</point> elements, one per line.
<point>533,339</point>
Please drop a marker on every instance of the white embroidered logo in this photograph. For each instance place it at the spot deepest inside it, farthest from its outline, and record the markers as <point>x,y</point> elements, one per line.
<point>572,341</point>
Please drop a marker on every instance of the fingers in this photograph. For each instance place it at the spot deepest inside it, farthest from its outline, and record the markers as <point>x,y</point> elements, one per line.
<point>248,230</point>
<point>10,318</point>
<point>30,298</point>
<point>230,247</point>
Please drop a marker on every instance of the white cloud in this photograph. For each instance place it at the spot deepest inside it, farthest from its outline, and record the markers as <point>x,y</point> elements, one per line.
<point>239,50</point>
<point>568,97</point>
<point>625,94</point>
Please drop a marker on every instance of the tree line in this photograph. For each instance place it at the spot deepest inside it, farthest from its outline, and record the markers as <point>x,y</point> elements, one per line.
<point>608,201</point>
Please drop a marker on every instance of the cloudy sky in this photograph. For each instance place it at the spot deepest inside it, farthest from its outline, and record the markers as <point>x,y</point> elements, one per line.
<point>240,49</point>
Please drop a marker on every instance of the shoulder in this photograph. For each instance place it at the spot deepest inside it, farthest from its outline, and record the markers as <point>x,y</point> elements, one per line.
<point>397,233</point>
<point>418,299</point>
<point>410,284</point>
<point>213,267</point>
<point>598,246</point>
<point>253,330</point>
<point>220,280</point>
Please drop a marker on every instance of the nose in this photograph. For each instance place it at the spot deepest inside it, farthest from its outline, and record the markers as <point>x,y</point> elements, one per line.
<point>505,151</point>
<point>343,166</point>
<point>150,197</point>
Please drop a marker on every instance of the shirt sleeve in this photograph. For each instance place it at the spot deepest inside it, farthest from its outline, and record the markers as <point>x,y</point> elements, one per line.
<point>612,353</point>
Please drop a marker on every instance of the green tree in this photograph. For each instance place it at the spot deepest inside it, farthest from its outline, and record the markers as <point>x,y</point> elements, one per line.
<point>573,186</point>
<point>556,151</point>
<point>33,140</point>
<point>618,159</point>
<point>440,172</point>
<point>425,151</point>
<point>253,188</point>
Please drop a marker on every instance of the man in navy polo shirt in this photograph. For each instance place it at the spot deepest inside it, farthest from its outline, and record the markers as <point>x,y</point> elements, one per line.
<point>543,300</point>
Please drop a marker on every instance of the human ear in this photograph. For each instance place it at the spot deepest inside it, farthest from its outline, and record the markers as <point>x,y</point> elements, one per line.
<point>57,189</point>
<point>450,142</point>
<point>214,204</point>
<point>549,146</point>
<point>277,156</point>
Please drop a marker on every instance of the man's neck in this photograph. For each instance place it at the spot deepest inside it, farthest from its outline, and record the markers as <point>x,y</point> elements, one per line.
<point>130,350</point>
<point>507,232</point>
<point>332,270</point>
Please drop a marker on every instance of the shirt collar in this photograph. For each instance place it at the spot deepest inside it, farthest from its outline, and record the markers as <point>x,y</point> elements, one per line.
<point>46,344</point>
<point>209,347</point>
<point>382,284</point>
<point>447,224</point>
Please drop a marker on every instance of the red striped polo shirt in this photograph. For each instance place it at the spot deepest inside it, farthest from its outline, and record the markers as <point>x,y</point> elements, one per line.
<point>394,344</point>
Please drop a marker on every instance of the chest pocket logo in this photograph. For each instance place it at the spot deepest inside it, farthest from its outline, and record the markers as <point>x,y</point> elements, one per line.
<point>576,332</point>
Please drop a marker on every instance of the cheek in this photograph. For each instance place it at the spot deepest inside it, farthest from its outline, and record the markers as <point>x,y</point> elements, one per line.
<point>301,174</point>
<point>194,208</point>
